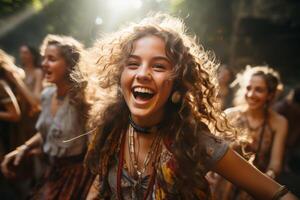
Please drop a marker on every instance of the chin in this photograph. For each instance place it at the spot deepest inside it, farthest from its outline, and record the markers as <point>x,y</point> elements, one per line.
<point>139,113</point>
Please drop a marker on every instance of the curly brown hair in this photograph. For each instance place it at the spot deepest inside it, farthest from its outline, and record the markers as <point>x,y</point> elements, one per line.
<point>194,78</point>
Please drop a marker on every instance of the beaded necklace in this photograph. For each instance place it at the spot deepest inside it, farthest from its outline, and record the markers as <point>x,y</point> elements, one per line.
<point>151,155</point>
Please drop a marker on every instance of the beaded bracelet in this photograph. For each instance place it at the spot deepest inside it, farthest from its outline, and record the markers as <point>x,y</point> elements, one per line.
<point>281,192</point>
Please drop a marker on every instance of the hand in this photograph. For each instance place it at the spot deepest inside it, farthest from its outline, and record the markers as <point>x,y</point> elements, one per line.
<point>270,173</point>
<point>34,110</point>
<point>12,160</point>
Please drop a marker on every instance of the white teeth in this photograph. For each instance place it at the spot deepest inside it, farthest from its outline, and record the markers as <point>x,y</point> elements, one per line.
<point>143,90</point>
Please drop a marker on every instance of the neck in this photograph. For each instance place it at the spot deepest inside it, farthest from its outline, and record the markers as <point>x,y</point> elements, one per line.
<point>147,122</point>
<point>257,113</point>
<point>62,89</point>
<point>147,125</point>
<point>28,65</point>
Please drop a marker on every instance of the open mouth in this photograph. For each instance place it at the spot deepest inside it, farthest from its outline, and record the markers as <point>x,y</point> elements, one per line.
<point>141,93</point>
<point>48,73</point>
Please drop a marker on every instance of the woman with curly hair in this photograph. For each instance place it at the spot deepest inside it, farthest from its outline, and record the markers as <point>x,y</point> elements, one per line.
<point>158,128</point>
<point>264,128</point>
<point>62,118</point>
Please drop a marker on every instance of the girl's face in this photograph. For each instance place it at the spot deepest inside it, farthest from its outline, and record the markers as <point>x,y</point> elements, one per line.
<point>256,93</point>
<point>25,55</point>
<point>54,65</point>
<point>146,82</point>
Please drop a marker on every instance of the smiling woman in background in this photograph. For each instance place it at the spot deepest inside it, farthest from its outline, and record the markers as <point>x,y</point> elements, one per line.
<point>265,129</point>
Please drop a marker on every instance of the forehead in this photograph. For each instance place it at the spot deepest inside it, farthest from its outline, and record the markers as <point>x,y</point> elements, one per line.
<point>52,50</point>
<point>149,45</point>
<point>24,48</point>
<point>257,80</point>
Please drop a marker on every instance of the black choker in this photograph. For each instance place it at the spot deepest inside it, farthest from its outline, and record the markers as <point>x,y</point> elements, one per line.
<point>145,130</point>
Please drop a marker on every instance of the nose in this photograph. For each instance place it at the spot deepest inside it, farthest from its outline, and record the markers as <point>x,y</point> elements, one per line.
<point>250,93</point>
<point>144,73</point>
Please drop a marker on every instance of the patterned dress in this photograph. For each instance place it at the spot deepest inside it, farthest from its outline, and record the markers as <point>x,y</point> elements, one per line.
<point>164,186</point>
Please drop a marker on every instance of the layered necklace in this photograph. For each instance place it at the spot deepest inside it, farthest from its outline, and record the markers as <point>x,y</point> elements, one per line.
<point>139,172</point>
<point>133,156</point>
<point>251,128</point>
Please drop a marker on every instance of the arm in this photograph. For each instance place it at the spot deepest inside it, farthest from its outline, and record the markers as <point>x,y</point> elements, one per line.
<point>16,79</point>
<point>277,151</point>
<point>12,110</point>
<point>30,147</point>
<point>238,171</point>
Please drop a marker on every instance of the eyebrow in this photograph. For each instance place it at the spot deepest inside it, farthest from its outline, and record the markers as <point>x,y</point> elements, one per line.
<point>155,57</point>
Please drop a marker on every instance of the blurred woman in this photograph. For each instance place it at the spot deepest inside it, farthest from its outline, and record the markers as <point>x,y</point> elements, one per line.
<point>225,94</point>
<point>62,118</point>
<point>264,128</point>
<point>30,60</point>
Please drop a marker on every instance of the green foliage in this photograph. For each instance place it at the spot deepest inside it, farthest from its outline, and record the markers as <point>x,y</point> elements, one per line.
<point>8,7</point>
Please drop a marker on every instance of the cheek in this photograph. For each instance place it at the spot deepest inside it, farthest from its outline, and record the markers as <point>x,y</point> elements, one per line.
<point>166,88</point>
<point>123,80</point>
<point>125,83</point>
<point>61,71</point>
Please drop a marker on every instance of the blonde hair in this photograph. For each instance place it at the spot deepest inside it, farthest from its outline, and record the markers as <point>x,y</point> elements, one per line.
<point>7,64</point>
<point>75,56</point>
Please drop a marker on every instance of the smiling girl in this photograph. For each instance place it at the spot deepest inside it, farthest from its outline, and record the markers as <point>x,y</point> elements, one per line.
<point>156,118</point>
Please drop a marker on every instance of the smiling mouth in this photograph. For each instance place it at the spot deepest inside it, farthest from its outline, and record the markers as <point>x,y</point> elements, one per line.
<point>141,93</point>
<point>48,73</point>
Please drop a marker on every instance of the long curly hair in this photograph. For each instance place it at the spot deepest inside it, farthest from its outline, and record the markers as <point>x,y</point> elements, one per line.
<point>194,78</point>
<point>74,55</point>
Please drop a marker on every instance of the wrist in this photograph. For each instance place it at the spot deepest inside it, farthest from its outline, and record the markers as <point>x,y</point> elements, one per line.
<point>23,148</point>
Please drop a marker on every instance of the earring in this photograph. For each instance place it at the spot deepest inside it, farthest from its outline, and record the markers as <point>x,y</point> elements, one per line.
<point>120,91</point>
<point>176,96</point>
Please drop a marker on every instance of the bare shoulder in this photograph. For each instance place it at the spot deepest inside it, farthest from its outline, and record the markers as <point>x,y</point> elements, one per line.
<point>278,122</point>
<point>233,112</point>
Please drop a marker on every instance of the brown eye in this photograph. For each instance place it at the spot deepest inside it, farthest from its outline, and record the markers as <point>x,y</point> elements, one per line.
<point>132,63</point>
<point>159,67</point>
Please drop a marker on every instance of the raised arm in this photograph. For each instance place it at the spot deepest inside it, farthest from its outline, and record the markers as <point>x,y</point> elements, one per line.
<point>33,101</point>
<point>12,110</point>
<point>238,171</point>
